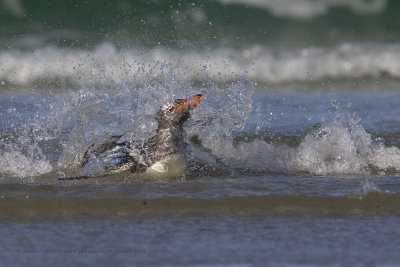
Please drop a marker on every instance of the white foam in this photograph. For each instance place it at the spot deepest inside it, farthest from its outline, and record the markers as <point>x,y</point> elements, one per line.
<point>19,165</point>
<point>302,9</point>
<point>337,147</point>
<point>106,65</point>
<point>369,187</point>
<point>334,148</point>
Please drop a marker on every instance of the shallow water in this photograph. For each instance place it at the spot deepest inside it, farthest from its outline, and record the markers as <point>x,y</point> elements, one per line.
<point>205,240</point>
<point>292,157</point>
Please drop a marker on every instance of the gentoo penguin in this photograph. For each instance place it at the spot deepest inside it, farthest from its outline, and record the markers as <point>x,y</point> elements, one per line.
<point>114,156</point>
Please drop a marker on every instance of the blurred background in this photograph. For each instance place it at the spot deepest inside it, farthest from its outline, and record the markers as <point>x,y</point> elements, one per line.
<point>197,24</point>
<point>271,41</point>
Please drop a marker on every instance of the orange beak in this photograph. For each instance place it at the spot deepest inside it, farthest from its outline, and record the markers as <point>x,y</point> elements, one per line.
<point>190,102</point>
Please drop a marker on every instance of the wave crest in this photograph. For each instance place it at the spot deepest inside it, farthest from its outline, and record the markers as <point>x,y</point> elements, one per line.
<point>335,148</point>
<point>108,66</point>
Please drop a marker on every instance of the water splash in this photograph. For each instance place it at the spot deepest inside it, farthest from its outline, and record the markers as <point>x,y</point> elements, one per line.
<point>21,152</point>
<point>74,119</point>
<point>338,147</point>
<point>17,164</point>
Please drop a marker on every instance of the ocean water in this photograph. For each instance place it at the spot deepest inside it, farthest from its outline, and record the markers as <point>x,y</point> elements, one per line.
<point>292,158</point>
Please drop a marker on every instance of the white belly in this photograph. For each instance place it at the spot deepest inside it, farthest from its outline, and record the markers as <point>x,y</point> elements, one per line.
<point>169,167</point>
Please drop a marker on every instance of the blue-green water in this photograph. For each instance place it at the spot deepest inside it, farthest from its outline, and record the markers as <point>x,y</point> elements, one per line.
<point>292,157</point>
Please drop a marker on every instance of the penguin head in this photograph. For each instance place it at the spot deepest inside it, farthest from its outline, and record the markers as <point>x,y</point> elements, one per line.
<point>179,112</point>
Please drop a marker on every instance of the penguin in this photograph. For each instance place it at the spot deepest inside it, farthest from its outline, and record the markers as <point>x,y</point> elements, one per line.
<point>115,156</point>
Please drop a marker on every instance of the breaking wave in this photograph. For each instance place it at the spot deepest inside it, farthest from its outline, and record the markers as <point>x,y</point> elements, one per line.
<point>108,65</point>
<point>310,8</point>
<point>338,147</point>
